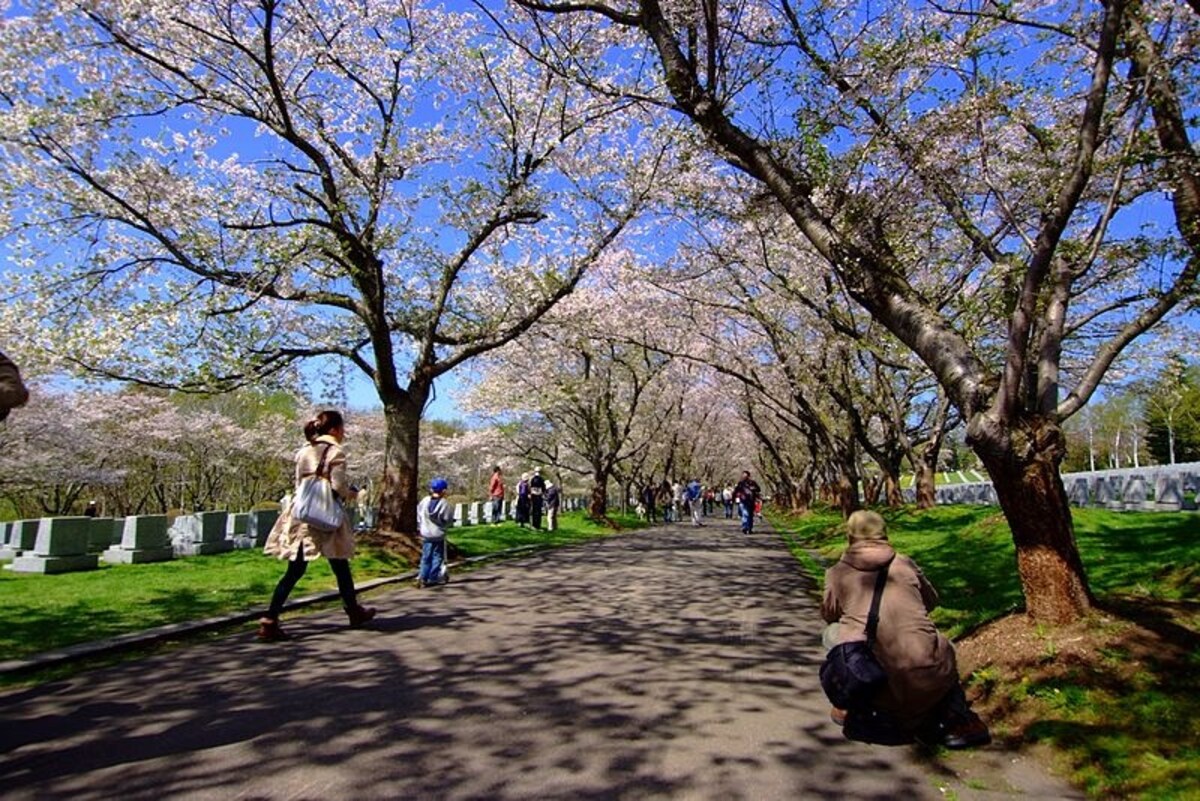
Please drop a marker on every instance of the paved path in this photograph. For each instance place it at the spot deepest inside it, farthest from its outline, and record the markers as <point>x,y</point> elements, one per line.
<point>672,663</point>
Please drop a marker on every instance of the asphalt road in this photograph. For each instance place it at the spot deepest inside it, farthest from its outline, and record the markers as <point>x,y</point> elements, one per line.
<point>672,663</point>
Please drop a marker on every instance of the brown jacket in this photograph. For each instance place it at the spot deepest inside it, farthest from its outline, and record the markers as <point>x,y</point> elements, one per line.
<point>918,659</point>
<point>12,389</point>
<point>286,538</point>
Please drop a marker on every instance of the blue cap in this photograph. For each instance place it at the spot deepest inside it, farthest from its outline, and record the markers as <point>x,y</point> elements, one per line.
<point>438,485</point>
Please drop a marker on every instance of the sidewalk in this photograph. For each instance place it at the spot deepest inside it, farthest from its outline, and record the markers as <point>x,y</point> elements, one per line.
<point>671,663</point>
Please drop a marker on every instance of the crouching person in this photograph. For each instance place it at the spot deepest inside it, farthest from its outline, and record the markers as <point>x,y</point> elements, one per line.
<point>433,518</point>
<point>922,698</point>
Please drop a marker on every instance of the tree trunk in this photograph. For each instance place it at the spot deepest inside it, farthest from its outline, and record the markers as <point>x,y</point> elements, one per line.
<point>1023,462</point>
<point>892,491</point>
<point>872,486</point>
<point>400,493</point>
<point>598,507</point>
<point>926,478</point>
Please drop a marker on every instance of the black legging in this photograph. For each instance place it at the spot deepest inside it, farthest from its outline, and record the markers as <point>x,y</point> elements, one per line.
<point>296,569</point>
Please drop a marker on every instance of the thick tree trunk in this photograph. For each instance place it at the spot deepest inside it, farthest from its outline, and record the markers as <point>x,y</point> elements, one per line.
<point>872,486</point>
<point>1023,463</point>
<point>926,479</point>
<point>892,491</point>
<point>598,506</point>
<point>400,493</point>
<point>846,492</point>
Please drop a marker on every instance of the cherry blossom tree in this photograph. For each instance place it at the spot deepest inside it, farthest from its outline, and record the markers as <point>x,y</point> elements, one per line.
<point>144,452</point>
<point>969,175</point>
<point>211,195</point>
<point>569,386</point>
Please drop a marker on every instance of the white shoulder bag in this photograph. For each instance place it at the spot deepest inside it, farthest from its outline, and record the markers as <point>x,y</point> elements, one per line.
<point>315,502</point>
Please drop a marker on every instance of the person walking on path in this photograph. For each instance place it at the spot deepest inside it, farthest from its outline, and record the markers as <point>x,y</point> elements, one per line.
<point>553,499</point>
<point>537,488</point>
<point>727,501</point>
<point>433,518</point>
<point>648,502</point>
<point>496,493</point>
<point>665,500</point>
<point>300,543</point>
<point>746,494</point>
<point>923,694</point>
<point>695,501</point>
<point>13,392</point>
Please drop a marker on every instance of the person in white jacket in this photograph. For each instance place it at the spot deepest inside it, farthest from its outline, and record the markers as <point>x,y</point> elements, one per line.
<point>433,518</point>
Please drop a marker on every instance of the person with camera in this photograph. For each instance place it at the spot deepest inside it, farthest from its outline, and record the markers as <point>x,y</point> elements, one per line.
<point>922,698</point>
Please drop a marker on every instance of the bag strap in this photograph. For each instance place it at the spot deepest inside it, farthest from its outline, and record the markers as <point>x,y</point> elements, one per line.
<point>320,464</point>
<point>873,615</point>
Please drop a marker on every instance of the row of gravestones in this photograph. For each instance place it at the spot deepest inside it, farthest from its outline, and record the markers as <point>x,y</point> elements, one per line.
<point>1150,489</point>
<point>470,514</point>
<point>64,544</point>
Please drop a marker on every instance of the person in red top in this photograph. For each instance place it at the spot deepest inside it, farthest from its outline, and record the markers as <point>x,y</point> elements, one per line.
<point>496,493</point>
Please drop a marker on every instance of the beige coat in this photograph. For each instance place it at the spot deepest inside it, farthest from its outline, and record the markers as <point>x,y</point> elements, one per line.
<point>919,660</point>
<point>287,537</point>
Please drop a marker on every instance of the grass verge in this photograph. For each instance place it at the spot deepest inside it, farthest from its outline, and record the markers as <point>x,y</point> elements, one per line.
<point>42,613</point>
<point>1116,696</point>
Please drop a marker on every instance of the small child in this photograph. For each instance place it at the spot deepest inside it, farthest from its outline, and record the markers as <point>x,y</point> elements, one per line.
<point>433,518</point>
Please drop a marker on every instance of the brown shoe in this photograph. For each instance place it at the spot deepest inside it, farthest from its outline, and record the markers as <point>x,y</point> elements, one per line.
<point>838,716</point>
<point>360,614</point>
<point>270,631</point>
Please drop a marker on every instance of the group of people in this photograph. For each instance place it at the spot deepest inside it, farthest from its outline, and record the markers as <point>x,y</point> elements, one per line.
<point>922,698</point>
<point>535,496</point>
<point>675,499</point>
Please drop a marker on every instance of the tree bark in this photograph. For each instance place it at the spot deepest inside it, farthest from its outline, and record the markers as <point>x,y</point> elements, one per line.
<point>926,478</point>
<point>598,505</point>
<point>400,493</point>
<point>1023,461</point>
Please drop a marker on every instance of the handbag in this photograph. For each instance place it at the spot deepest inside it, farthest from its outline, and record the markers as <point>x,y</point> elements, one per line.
<point>316,503</point>
<point>851,675</point>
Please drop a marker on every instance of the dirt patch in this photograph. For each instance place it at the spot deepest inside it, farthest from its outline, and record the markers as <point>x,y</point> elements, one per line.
<point>1037,684</point>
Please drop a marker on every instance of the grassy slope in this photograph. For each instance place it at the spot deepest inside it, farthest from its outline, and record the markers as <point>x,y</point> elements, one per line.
<point>1117,696</point>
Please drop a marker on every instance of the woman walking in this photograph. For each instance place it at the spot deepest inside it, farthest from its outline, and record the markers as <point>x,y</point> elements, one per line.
<point>300,543</point>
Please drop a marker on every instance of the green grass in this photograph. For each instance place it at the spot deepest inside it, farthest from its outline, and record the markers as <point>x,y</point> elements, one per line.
<point>1126,723</point>
<point>46,612</point>
<point>41,613</point>
<point>967,552</point>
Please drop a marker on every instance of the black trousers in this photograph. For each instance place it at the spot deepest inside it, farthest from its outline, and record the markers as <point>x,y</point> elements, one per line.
<point>296,569</point>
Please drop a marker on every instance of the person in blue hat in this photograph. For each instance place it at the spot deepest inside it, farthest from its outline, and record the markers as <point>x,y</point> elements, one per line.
<point>433,518</point>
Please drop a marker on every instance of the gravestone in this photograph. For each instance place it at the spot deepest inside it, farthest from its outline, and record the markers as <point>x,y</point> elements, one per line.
<point>259,523</point>
<point>61,546</point>
<point>144,538</point>
<point>1168,496</point>
<point>100,534</point>
<point>1191,484</point>
<point>236,532</point>
<point>478,513</point>
<point>459,515</point>
<point>1110,489</point>
<point>1134,494</point>
<point>200,534</point>
<point>22,535</point>
<point>235,524</point>
<point>1077,495</point>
